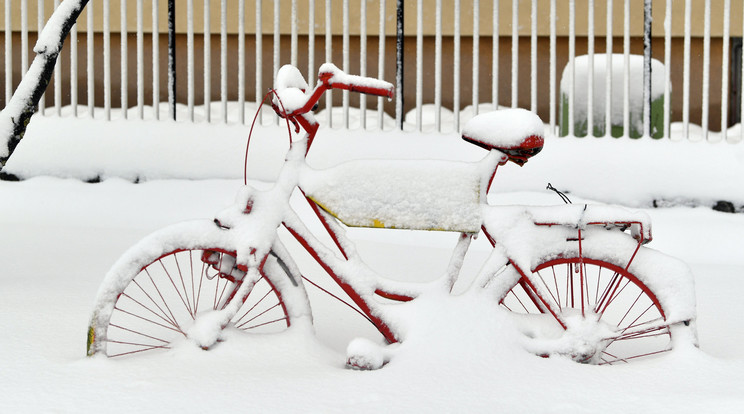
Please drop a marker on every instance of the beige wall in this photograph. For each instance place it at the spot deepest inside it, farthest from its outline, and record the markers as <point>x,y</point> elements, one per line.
<point>466,86</point>
<point>485,16</point>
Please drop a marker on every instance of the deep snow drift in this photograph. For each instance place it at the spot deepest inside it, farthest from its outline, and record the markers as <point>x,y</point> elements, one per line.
<point>59,236</point>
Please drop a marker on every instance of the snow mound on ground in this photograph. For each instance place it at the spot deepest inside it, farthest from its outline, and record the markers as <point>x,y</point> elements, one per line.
<point>623,171</point>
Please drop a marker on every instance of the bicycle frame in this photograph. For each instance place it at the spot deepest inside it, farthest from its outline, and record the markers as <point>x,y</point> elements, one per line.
<point>362,289</point>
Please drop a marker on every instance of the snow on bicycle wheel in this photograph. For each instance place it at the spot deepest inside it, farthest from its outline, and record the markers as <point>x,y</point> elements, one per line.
<point>402,194</point>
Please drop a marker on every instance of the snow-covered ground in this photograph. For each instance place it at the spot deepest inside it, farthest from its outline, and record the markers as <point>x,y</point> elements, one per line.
<point>58,236</point>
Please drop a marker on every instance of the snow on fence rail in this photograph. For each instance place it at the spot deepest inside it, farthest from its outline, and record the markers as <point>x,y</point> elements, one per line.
<point>433,54</point>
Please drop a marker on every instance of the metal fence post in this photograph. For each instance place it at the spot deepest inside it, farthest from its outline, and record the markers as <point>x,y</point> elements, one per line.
<point>399,67</point>
<point>646,68</point>
<point>735,86</point>
<point>172,58</point>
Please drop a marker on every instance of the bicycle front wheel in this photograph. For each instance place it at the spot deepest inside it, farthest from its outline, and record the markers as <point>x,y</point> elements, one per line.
<point>154,303</point>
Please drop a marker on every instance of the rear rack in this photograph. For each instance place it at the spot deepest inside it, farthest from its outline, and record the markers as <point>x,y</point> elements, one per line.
<point>580,216</point>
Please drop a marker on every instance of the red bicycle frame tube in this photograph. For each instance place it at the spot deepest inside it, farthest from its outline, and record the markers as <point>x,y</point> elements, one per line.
<point>347,288</point>
<point>310,125</point>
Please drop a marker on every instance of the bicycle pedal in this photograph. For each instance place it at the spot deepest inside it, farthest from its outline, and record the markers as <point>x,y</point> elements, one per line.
<point>358,363</point>
<point>365,355</point>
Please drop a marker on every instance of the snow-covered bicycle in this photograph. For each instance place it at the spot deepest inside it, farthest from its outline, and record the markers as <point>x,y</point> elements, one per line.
<point>577,279</point>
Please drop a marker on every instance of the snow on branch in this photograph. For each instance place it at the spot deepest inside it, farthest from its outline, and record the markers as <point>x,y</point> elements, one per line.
<point>18,111</point>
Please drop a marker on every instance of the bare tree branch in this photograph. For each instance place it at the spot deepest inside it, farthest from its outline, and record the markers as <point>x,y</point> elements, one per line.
<point>17,113</point>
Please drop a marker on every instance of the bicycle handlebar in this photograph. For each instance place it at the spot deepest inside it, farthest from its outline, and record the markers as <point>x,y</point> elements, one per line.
<point>334,78</point>
<point>289,79</point>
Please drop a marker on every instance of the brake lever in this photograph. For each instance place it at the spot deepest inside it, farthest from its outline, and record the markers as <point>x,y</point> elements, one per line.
<point>277,110</point>
<point>281,115</point>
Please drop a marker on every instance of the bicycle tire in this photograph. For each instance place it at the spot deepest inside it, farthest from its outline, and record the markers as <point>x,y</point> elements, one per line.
<point>596,308</point>
<point>151,298</point>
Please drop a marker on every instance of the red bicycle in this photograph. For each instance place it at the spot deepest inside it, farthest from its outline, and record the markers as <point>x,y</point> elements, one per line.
<point>577,278</point>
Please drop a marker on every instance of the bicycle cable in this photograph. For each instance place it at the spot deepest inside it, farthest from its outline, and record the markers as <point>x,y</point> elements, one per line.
<point>245,182</point>
<point>255,118</point>
<point>561,194</point>
<point>338,299</point>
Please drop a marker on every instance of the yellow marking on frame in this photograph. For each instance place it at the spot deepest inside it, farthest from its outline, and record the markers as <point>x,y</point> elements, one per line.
<point>322,206</point>
<point>91,339</point>
<point>376,223</point>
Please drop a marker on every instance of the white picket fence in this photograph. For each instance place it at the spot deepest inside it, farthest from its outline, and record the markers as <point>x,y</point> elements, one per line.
<point>303,22</point>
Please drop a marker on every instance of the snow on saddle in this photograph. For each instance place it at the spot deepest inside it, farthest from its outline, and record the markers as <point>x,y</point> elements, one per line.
<point>516,132</point>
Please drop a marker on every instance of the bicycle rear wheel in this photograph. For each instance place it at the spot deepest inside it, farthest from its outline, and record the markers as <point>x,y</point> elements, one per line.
<point>590,310</point>
<point>152,307</point>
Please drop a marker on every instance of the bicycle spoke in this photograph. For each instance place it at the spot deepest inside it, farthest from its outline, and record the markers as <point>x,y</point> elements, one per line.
<point>138,333</point>
<point>191,272</point>
<point>520,302</point>
<point>216,290</point>
<point>185,291</point>
<point>616,359</point>
<point>136,344</point>
<point>599,282</point>
<point>638,334</point>
<point>531,294</point>
<point>163,316</point>
<point>253,307</point>
<point>614,296</point>
<point>568,286</point>
<point>645,335</point>
<point>631,308</point>
<point>222,294</point>
<point>265,323</point>
<point>231,296</point>
<point>511,292</point>
<point>548,289</point>
<point>167,273</point>
<point>257,316</point>
<point>640,356</point>
<point>581,286</point>
<point>557,292</point>
<point>609,290</point>
<point>138,351</point>
<point>571,279</point>
<point>585,292</point>
<point>652,321</point>
<point>201,281</point>
<point>165,302</point>
<point>175,329</point>
<point>217,294</point>
<point>164,313</point>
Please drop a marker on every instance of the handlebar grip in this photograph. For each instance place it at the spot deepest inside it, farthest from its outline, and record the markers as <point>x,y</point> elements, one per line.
<point>335,78</point>
<point>386,91</point>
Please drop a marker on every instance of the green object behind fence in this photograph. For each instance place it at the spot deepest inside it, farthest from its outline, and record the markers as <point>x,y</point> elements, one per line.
<point>635,72</point>
<point>616,129</point>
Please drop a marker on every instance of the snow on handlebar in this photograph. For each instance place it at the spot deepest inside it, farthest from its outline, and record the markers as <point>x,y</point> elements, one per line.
<point>335,78</point>
<point>293,91</point>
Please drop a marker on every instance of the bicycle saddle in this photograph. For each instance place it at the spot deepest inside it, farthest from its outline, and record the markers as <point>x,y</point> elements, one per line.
<point>516,132</point>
